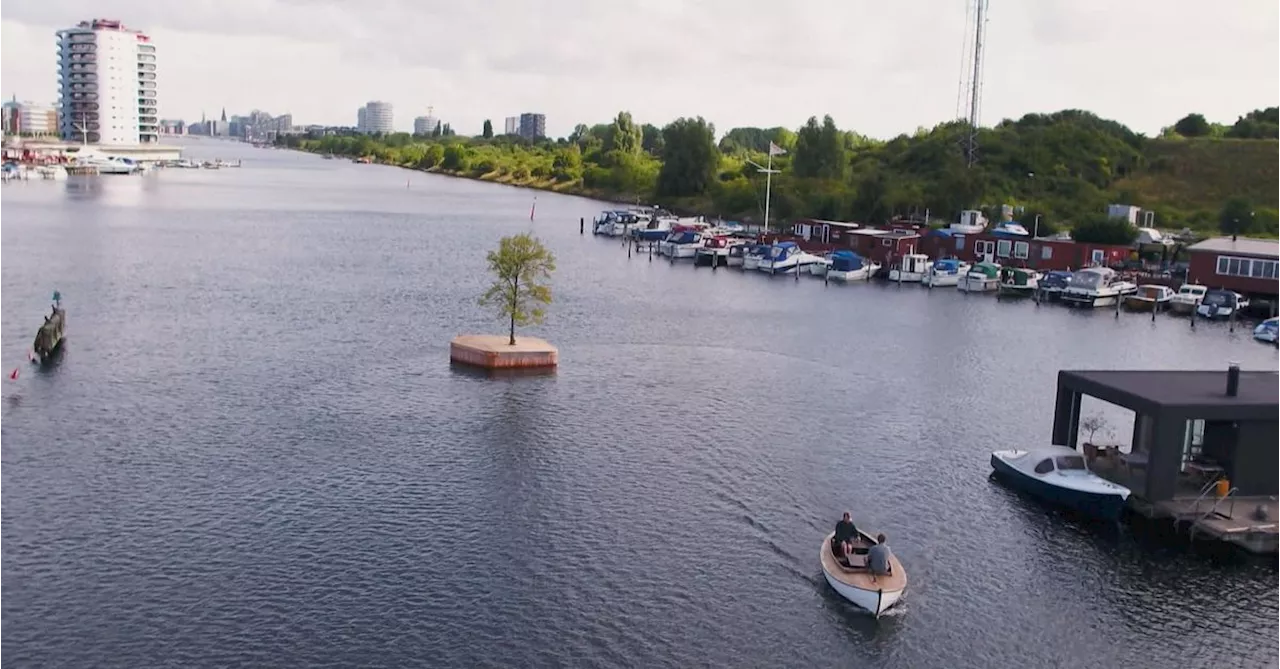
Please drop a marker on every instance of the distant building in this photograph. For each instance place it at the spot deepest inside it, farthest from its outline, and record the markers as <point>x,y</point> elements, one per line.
<point>27,118</point>
<point>172,127</point>
<point>512,125</point>
<point>284,124</point>
<point>108,87</point>
<point>375,117</point>
<point>1126,211</point>
<point>533,126</point>
<point>425,125</point>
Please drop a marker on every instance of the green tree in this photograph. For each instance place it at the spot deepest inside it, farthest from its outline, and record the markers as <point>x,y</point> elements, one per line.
<point>1192,125</point>
<point>1236,217</point>
<point>487,133</point>
<point>455,158</point>
<point>690,156</point>
<point>1101,229</point>
<point>820,150</point>
<point>521,267</point>
<point>623,135</point>
<point>651,140</point>
<point>436,131</point>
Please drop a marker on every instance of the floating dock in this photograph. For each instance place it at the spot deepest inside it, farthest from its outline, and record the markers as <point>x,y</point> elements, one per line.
<point>497,353</point>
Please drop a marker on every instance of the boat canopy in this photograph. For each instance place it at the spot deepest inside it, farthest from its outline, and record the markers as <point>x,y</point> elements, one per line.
<point>987,269</point>
<point>1056,279</point>
<point>782,250</point>
<point>1220,298</point>
<point>686,237</point>
<point>846,261</point>
<point>950,265</point>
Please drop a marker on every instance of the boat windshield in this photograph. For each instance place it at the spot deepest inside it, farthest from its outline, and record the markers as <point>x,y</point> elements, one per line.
<point>1086,280</point>
<point>1191,290</point>
<point>1217,299</point>
<point>1070,462</point>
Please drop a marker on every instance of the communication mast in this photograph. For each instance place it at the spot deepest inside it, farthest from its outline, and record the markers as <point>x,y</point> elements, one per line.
<point>973,84</point>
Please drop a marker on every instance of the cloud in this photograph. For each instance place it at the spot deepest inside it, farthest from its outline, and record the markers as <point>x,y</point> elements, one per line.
<point>878,67</point>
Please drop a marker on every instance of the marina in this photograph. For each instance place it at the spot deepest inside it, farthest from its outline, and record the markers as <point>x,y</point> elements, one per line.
<point>298,448</point>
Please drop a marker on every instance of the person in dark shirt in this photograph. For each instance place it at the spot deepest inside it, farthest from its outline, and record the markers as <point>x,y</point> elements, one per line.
<point>846,532</point>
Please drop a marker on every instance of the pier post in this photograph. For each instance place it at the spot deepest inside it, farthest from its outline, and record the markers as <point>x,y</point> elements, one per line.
<point>1117,306</point>
<point>1193,317</point>
<point>628,251</point>
<point>1153,312</point>
<point>1231,321</point>
<point>582,224</point>
<point>650,251</point>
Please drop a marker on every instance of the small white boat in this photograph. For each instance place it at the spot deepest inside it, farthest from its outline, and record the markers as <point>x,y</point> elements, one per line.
<point>1221,304</point>
<point>874,594</point>
<point>787,257</point>
<point>945,272</point>
<point>753,255</point>
<point>1059,475</point>
<point>737,255</point>
<point>681,243</point>
<point>1188,298</point>
<point>52,172</point>
<point>821,268</point>
<point>714,251</point>
<point>1018,281</point>
<point>1097,287</point>
<point>849,266</point>
<point>1268,331</point>
<point>1149,297</point>
<point>910,268</point>
<point>982,277</point>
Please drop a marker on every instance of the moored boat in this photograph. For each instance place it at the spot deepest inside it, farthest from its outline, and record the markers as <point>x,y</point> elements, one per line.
<point>714,251</point>
<point>1052,284</point>
<point>982,277</point>
<point>737,253</point>
<point>1221,304</point>
<point>1097,287</point>
<point>1060,476</point>
<point>872,593</point>
<point>1268,331</point>
<point>1018,282</point>
<point>753,255</point>
<point>787,257</point>
<point>1149,297</point>
<point>945,272</point>
<point>683,242</point>
<point>910,268</point>
<point>1188,298</point>
<point>849,266</point>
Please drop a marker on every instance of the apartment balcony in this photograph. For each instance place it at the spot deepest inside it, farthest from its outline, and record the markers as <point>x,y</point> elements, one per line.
<point>83,58</point>
<point>148,112</point>
<point>146,67</point>
<point>146,76</point>
<point>147,101</point>
<point>146,48</point>
<point>83,47</point>
<point>146,84</point>
<point>83,87</point>
<point>77,38</point>
<point>146,58</point>
<point>84,97</point>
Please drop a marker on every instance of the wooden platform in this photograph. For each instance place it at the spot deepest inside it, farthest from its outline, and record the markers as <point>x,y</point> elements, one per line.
<point>496,352</point>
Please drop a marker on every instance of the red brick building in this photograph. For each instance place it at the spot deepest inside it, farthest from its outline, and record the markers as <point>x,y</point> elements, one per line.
<point>1043,253</point>
<point>1247,266</point>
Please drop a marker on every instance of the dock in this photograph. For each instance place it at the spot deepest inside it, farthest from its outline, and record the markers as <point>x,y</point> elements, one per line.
<point>495,352</point>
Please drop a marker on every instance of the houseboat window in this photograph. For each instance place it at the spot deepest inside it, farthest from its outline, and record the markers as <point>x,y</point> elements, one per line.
<point>1070,463</point>
<point>959,242</point>
<point>1259,268</point>
<point>886,242</point>
<point>1045,466</point>
<point>1247,267</point>
<point>1002,249</point>
<point>1021,249</point>
<point>1046,252</point>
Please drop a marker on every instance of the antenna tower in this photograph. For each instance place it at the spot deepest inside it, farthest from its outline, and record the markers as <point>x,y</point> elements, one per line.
<point>978,10</point>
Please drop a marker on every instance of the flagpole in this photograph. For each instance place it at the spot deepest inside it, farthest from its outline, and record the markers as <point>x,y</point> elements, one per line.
<point>768,185</point>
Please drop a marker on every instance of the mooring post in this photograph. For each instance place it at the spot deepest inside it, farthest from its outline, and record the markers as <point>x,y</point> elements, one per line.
<point>1117,306</point>
<point>628,251</point>
<point>1193,317</point>
<point>1231,321</point>
<point>650,251</point>
<point>1153,312</point>
<point>582,225</point>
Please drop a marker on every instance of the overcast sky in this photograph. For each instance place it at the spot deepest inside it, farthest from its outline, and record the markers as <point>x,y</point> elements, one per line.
<point>881,68</point>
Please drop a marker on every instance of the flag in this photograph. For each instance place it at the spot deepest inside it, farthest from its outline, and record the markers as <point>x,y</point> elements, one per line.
<point>775,150</point>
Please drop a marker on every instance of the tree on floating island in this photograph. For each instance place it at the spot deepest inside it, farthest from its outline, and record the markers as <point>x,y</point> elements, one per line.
<point>521,266</point>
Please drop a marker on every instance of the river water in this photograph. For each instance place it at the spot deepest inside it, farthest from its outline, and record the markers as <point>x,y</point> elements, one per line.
<point>254,451</point>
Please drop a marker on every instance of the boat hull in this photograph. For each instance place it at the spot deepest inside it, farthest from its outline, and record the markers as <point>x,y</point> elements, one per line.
<point>1134,303</point>
<point>1090,300</point>
<point>905,277</point>
<point>734,261</point>
<point>1006,290</point>
<point>971,285</point>
<point>873,602</point>
<point>1101,506</point>
<point>862,274</point>
<point>941,280</point>
<point>1183,307</point>
<point>750,262</point>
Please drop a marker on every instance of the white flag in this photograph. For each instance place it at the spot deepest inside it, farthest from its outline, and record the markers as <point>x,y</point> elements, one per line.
<point>775,150</point>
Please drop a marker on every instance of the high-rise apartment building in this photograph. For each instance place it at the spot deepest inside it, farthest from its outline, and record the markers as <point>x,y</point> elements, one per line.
<point>27,118</point>
<point>375,117</point>
<point>533,126</point>
<point>108,84</point>
<point>512,126</point>
<point>425,125</point>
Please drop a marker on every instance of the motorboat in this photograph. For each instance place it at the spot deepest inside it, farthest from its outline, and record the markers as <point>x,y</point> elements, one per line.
<point>982,277</point>
<point>855,582</point>
<point>1060,476</point>
<point>681,243</point>
<point>52,172</point>
<point>1268,331</point>
<point>1221,304</point>
<point>652,229</point>
<point>714,251</point>
<point>1052,284</point>
<point>1149,297</point>
<point>1188,298</point>
<point>753,255</point>
<point>1097,287</point>
<point>1017,282</point>
<point>945,272</point>
<point>849,266</point>
<point>787,257</point>
<point>737,254</point>
<point>910,269</point>
<point>821,268</point>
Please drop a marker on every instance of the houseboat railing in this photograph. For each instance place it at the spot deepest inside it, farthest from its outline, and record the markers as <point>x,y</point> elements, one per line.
<point>1213,509</point>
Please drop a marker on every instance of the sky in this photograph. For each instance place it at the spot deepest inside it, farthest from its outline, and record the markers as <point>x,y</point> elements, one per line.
<point>879,67</point>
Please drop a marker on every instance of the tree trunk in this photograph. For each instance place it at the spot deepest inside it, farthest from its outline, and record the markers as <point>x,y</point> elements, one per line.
<point>515,302</point>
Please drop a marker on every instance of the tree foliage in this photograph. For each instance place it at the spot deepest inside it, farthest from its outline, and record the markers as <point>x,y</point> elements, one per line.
<point>623,135</point>
<point>1236,217</point>
<point>820,150</point>
<point>1192,125</point>
<point>487,133</point>
<point>1101,229</point>
<point>1257,124</point>
<point>521,268</point>
<point>690,158</point>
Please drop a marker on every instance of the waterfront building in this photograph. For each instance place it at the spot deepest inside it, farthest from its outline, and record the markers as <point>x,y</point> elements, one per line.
<point>512,125</point>
<point>533,126</point>
<point>425,125</point>
<point>375,117</point>
<point>108,84</point>
<point>28,118</point>
<point>1248,266</point>
<point>172,127</point>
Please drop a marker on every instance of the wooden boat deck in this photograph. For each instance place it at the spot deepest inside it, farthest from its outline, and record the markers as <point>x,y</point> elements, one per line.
<point>860,577</point>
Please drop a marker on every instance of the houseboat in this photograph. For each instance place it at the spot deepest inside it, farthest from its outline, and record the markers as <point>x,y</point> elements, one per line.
<point>1018,282</point>
<point>849,266</point>
<point>1221,304</point>
<point>1149,297</point>
<point>1053,283</point>
<point>910,268</point>
<point>1188,298</point>
<point>787,257</point>
<point>945,272</point>
<point>982,277</point>
<point>1097,287</point>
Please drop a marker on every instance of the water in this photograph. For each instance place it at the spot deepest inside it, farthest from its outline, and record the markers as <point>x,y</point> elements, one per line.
<point>254,451</point>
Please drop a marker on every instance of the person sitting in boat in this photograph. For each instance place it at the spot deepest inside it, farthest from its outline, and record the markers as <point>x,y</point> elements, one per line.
<point>878,557</point>
<point>846,532</point>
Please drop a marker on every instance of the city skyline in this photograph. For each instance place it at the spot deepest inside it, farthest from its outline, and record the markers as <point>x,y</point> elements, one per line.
<point>772,65</point>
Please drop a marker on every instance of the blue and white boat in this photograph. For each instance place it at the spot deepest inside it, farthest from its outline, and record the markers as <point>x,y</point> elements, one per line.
<point>1268,331</point>
<point>945,272</point>
<point>653,230</point>
<point>1221,304</point>
<point>1060,476</point>
<point>681,244</point>
<point>753,255</point>
<point>787,257</point>
<point>1053,283</point>
<point>849,266</point>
